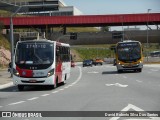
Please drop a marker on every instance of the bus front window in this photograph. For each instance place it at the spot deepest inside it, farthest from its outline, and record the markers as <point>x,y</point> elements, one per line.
<point>130,52</point>
<point>34,53</point>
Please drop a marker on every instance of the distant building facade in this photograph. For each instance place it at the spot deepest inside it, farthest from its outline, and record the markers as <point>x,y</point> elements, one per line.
<point>48,8</point>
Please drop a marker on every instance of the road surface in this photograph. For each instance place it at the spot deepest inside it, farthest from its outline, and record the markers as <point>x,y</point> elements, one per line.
<point>97,88</point>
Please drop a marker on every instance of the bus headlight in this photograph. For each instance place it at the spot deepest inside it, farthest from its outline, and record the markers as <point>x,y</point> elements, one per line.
<point>15,72</point>
<point>51,72</point>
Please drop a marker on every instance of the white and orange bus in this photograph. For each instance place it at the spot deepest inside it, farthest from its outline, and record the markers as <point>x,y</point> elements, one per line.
<point>41,62</point>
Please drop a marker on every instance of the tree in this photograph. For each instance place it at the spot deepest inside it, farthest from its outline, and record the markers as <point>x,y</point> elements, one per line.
<point>105,29</point>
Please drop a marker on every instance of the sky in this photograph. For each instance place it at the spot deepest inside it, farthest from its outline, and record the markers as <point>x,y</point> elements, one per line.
<point>100,7</point>
<point>91,7</point>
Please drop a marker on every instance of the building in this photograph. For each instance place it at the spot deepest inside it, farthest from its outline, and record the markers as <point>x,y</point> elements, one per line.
<point>47,8</point>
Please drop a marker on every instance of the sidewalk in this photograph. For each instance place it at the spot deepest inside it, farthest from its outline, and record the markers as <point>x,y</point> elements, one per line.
<point>5,79</point>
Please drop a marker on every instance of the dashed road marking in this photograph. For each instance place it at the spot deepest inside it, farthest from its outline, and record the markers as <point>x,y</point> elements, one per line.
<point>34,98</point>
<point>66,87</point>
<point>117,84</point>
<point>17,103</point>
<point>55,92</point>
<point>93,72</point>
<point>61,89</point>
<point>45,95</point>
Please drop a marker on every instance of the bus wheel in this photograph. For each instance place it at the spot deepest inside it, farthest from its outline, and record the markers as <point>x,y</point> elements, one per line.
<point>119,71</point>
<point>56,82</point>
<point>20,87</point>
<point>140,70</point>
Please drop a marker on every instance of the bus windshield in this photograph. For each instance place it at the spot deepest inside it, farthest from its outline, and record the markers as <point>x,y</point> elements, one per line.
<point>36,53</point>
<point>129,51</point>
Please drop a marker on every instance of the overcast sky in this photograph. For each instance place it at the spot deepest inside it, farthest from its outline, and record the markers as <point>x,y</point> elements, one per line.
<point>114,6</point>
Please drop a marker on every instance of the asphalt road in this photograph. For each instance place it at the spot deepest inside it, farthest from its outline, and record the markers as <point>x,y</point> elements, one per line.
<point>97,88</point>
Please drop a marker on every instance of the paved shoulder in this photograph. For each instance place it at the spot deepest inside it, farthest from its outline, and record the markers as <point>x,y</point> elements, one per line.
<point>5,79</point>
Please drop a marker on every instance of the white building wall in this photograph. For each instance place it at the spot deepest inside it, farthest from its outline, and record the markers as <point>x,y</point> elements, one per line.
<point>77,11</point>
<point>72,9</point>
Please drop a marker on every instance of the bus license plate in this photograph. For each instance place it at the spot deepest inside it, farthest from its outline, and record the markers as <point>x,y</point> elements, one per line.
<point>32,81</point>
<point>130,65</point>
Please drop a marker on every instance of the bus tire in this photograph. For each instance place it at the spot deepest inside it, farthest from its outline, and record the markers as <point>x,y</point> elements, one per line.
<point>56,83</point>
<point>119,71</point>
<point>20,87</point>
<point>140,70</point>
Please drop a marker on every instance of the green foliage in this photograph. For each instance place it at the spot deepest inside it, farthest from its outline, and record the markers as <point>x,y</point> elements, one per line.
<point>105,29</point>
<point>93,53</point>
<point>82,29</point>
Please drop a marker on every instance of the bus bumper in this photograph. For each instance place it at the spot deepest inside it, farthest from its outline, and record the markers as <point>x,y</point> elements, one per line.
<point>34,81</point>
<point>130,66</point>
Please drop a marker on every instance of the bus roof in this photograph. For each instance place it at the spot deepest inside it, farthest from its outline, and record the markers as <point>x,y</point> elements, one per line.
<point>45,40</point>
<point>129,41</point>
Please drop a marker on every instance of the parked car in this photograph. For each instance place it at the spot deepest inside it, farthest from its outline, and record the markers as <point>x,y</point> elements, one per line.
<point>98,61</point>
<point>87,63</point>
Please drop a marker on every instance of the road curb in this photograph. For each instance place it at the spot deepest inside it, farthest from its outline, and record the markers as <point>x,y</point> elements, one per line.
<point>6,85</point>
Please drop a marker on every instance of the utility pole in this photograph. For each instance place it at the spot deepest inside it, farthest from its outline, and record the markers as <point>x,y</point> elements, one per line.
<point>147,32</point>
<point>12,38</point>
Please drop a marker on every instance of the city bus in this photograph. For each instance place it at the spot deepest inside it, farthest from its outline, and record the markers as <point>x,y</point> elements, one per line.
<point>41,62</point>
<point>129,56</point>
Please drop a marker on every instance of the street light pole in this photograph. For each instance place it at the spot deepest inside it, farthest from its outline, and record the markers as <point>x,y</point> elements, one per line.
<point>122,28</point>
<point>12,39</point>
<point>147,32</point>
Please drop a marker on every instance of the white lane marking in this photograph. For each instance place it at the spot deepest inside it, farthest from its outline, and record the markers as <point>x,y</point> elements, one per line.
<point>117,84</point>
<point>17,103</point>
<point>54,91</point>
<point>139,81</point>
<point>93,72</point>
<point>61,89</point>
<point>66,87</point>
<point>6,85</point>
<point>74,83</point>
<point>34,98</point>
<point>70,85</point>
<point>133,107</point>
<point>45,95</point>
<point>80,75</point>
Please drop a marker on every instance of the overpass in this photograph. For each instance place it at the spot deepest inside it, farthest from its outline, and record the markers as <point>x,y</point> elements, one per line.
<point>83,20</point>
